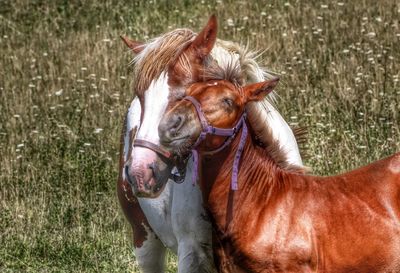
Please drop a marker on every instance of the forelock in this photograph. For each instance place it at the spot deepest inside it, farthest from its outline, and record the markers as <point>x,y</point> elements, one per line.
<point>157,55</point>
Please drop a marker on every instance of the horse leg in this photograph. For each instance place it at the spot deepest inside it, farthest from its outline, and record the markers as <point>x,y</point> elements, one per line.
<point>150,252</point>
<point>192,228</point>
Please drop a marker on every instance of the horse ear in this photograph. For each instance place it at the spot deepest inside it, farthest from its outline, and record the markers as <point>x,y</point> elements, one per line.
<point>205,40</point>
<point>136,46</point>
<point>258,91</point>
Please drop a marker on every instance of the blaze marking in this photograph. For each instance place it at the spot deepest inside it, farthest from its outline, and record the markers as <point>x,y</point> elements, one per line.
<point>156,101</point>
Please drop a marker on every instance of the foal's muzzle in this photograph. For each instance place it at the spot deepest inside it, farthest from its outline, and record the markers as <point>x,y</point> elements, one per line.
<point>170,129</point>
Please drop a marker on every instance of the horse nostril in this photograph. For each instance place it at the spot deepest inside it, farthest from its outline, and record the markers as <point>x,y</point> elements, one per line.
<point>178,122</point>
<point>127,175</point>
<point>170,127</point>
<point>152,167</point>
<point>175,124</point>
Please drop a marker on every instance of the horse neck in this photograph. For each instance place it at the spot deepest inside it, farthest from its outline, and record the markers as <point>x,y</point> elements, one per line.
<point>259,177</point>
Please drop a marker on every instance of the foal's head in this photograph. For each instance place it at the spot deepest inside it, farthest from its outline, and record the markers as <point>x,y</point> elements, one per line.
<point>222,103</point>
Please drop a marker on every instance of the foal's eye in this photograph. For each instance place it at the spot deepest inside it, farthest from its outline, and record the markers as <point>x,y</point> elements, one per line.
<point>228,102</point>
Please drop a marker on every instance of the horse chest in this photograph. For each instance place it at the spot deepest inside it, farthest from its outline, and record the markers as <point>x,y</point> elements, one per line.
<point>158,214</point>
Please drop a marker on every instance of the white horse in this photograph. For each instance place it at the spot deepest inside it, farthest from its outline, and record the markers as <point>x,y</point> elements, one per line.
<point>173,217</point>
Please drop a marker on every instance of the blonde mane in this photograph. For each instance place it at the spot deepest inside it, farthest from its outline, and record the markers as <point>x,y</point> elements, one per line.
<point>230,61</point>
<point>157,55</point>
<point>238,65</point>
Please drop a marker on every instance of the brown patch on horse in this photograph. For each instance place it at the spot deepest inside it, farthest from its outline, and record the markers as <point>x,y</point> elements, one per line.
<point>191,64</point>
<point>129,204</point>
<point>132,136</point>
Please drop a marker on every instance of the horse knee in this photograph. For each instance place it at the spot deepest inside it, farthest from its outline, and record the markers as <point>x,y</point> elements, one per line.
<point>150,254</point>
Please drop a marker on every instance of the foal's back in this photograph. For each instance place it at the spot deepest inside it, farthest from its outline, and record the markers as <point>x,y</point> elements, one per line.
<point>344,223</point>
<point>359,217</point>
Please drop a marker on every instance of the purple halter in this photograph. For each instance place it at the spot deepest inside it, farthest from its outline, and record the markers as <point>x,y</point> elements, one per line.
<point>208,129</point>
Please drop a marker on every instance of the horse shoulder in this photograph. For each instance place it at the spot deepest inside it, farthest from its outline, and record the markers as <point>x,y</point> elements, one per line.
<point>281,238</point>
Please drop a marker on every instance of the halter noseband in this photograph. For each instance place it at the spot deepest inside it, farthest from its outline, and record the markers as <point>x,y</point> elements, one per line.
<point>150,145</point>
<point>178,172</point>
<point>230,133</point>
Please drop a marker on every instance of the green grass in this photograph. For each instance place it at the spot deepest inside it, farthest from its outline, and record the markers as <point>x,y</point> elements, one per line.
<point>64,73</point>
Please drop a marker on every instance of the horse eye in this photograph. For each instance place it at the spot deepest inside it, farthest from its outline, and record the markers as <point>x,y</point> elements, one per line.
<point>227,102</point>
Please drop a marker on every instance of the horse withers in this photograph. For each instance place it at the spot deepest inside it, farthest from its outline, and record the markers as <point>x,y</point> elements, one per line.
<point>272,218</point>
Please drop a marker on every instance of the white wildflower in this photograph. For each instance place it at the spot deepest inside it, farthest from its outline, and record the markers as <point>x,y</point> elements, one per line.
<point>59,92</point>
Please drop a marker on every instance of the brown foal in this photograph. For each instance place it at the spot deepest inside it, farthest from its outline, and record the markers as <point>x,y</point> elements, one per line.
<point>280,219</point>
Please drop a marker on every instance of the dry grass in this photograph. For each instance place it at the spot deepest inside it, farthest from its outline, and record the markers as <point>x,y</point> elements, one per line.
<point>65,84</point>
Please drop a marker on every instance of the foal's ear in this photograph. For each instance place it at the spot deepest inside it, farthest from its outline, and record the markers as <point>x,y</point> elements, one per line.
<point>136,46</point>
<point>205,40</point>
<point>258,91</point>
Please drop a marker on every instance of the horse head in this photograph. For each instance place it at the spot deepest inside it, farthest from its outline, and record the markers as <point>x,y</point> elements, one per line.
<point>208,115</point>
<point>163,69</point>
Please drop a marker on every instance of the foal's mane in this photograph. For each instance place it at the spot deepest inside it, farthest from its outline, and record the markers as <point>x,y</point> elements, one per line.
<point>230,61</point>
<point>238,71</point>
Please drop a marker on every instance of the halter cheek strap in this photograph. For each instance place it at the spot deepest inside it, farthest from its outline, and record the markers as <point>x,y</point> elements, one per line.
<point>208,129</point>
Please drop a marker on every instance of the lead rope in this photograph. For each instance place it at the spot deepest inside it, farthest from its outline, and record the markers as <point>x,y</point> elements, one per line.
<point>238,154</point>
<point>195,156</point>
<point>235,169</point>
<point>236,162</point>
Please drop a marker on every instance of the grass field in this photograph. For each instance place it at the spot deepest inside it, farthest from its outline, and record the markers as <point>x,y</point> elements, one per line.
<point>65,85</point>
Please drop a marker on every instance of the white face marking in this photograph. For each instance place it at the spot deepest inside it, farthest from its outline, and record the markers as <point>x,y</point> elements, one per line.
<point>132,121</point>
<point>155,104</point>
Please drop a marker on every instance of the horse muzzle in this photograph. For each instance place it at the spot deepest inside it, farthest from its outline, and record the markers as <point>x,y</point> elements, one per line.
<point>147,176</point>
